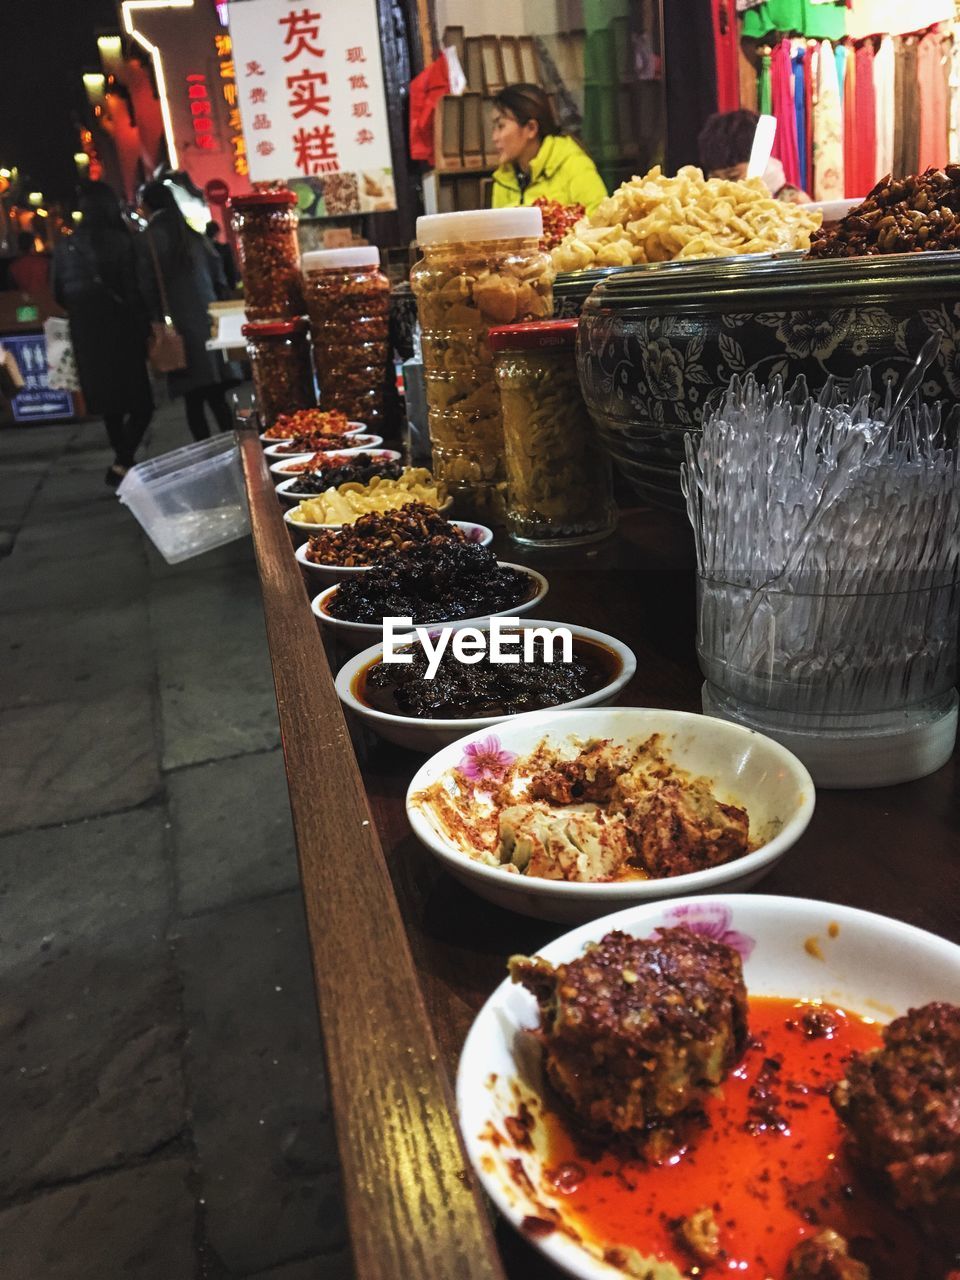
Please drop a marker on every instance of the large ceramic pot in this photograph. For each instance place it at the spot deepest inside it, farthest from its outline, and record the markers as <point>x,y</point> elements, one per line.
<point>657,345</point>
<point>572,288</point>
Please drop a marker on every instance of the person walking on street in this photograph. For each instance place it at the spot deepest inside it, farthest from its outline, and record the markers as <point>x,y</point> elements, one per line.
<point>192,278</point>
<point>226,255</point>
<point>95,281</point>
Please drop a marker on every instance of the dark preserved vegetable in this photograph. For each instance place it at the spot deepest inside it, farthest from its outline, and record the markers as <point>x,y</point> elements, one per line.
<point>378,534</point>
<point>356,470</point>
<point>463,691</point>
<point>440,581</point>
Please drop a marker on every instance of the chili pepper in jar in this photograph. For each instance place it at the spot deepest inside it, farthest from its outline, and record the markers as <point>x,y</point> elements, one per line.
<point>557,220</point>
<point>280,361</point>
<point>265,224</point>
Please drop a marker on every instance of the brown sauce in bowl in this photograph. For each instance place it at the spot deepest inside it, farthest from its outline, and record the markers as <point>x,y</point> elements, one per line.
<point>461,691</point>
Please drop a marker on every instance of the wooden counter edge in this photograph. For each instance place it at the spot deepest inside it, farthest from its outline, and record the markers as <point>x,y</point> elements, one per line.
<point>414,1207</point>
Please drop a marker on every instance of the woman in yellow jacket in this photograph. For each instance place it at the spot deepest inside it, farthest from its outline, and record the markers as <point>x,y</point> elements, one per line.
<point>536,159</point>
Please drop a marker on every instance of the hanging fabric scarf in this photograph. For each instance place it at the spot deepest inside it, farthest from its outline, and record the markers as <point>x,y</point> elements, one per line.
<point>800,111</point>
<point>864,175</point>
<point>883,90</point>
<point>827,130</point>
<point>932,86</point>
<point>784,108</point>
<point>764,96</point>
<point>954,89</point>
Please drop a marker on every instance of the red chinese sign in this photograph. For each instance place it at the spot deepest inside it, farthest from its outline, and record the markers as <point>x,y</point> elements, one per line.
<point>310,89</point>
<point>223,46</point>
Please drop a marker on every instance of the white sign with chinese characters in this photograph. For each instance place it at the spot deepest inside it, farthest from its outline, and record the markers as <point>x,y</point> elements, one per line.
<point>310,89</point>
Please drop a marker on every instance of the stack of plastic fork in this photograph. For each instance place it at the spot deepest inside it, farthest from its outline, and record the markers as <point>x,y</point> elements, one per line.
<point>828,547</point>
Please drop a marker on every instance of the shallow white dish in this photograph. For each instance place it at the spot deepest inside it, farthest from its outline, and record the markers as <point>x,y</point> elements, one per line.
<point>331,573</point>
<point>357,444</point>
<point>294,499</point>
<point>315,528</point>
<point>430,735</point>
<point>747,769</point>
<point>352,431</point>
<point>874,966</point>
<point>362,634</point>
<point>280,467</point>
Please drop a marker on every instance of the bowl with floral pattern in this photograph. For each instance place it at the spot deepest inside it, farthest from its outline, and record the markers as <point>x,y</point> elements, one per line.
<point>451,797</point>
<point>658,345</point>
<point>796,950</point>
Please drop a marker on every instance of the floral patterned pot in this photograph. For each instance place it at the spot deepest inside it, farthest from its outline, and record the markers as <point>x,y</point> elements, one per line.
<point>657,346</point>
<point>571,289</point>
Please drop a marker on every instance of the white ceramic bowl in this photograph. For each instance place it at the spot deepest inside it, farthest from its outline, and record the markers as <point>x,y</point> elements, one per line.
<point>315,528</point>
<point>354,427</point>
<point>294,499</point>
<point>280,467</point>
<point>873,966</point>
<point>331,573</point>
<point>357,444</point>
<point>747,769</point>
<point>431,735</point>
<point>360,635</point>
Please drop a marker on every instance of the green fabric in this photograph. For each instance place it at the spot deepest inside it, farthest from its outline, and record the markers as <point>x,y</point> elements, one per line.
<point>561,170</point>
<point>815,21</point>
<point>764,95</point>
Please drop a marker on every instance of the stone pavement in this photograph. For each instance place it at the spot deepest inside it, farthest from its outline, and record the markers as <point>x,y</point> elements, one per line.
<point>163,1114</point>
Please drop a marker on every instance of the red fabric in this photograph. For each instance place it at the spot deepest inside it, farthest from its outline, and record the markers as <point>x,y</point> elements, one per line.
<point>726,48</point>
<point>784,108</point>
<point>864,175</point>
<point>425,89</point>
<point>933,102</point>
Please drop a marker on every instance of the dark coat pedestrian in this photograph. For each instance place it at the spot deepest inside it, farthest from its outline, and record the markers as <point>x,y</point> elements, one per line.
<point>192,277</point>
<point>95,281</point>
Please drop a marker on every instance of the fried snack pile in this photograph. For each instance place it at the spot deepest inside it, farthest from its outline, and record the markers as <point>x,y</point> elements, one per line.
<point>659,219</point>
<point>907,216</point>
<point>344,505</point>
<point>373,536</point>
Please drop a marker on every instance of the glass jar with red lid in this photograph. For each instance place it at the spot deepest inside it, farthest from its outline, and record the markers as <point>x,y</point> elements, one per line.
<point>559,479</point>
<point>265,224</point>
<point>279,352</point>
<point>348,300</point>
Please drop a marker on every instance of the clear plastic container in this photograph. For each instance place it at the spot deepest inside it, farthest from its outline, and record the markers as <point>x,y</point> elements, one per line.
<point>559,478</point>
<point>279,352</point>
<point>265,224</point>
<point>190,500</point>
<point>478,269</point>
<point>860,686</point>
